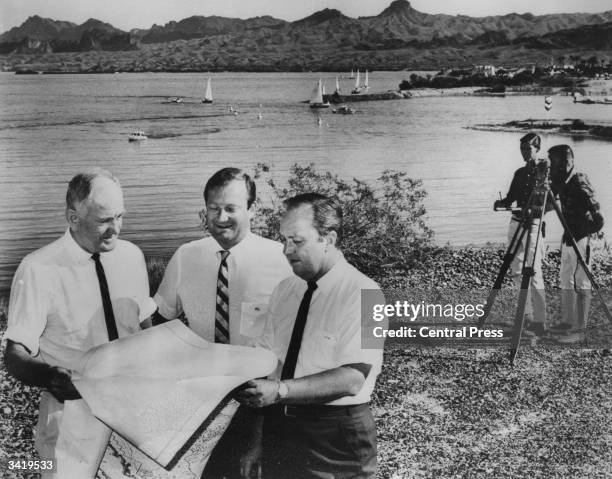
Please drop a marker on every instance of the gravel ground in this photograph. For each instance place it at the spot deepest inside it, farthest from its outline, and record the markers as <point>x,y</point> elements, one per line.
<point>458,413</point>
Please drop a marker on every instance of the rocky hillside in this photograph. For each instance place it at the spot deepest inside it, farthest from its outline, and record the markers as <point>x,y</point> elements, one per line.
<point>38,34</point>
<point>399,37</point>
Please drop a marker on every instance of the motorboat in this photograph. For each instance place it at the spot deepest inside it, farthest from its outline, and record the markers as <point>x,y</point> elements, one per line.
<point>177,99</point>
<point>343,110</point>
<point>137,136</point>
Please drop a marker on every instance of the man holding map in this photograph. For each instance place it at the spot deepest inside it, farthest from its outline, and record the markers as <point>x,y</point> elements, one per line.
<point>324,378</point>
<point>222,283</point>
<point>83,290</point>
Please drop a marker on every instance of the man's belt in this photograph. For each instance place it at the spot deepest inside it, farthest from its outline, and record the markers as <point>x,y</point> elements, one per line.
<point>315,410</point>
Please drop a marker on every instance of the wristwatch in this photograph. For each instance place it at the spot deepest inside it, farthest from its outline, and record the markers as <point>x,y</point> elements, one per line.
<point>283,391</point>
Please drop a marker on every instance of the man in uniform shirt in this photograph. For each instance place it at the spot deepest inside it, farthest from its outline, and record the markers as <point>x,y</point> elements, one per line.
<point>320,391</point>
<point>82,290</point>
<point>522,185</point>
<point>222,284</point>
<point>583,217</point>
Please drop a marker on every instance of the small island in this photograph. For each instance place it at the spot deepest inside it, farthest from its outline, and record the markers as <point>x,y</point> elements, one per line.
<point>567,127</point>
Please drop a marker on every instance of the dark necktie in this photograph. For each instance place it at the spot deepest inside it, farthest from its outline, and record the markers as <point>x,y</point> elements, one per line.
<point>109,316</point>
<point>298,331</point>
<point>222,307</point>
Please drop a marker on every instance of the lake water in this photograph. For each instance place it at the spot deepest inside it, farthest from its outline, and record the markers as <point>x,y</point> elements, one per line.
<point>52,126</point>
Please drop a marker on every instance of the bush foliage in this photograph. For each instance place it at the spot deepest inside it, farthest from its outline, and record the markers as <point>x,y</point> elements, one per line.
<point>384,223</point>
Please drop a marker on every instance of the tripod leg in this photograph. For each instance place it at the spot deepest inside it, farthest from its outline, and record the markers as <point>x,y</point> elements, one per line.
<point>520,317</point>
<point>581,260</point>
<point>534,223</point>
<point>509,256</point>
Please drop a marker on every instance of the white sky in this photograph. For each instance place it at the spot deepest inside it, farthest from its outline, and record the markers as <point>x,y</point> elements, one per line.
<point>128,14</point>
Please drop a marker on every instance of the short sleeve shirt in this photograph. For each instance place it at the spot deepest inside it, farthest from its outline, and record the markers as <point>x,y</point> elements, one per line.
<point>55,307</point>
<point>255,266</point>
<point>332,335</point>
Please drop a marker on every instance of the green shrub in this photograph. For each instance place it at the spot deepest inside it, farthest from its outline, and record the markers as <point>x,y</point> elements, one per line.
<point>384,226</point>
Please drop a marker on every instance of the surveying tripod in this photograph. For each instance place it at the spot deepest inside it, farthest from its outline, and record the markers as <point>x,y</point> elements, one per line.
<point>532,222</point>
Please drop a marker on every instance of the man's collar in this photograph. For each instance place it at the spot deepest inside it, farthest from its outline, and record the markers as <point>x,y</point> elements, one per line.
<point>74,251</point>
<point>237,248</point>
<point>333,274</point>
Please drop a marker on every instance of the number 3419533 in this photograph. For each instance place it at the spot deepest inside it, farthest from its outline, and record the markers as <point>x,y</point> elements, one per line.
<point>13,464</point>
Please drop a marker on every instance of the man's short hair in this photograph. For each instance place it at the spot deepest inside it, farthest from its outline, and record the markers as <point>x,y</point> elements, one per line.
<point>225,176</point>
<point>564,155</point>
<point>326,211</point>
<point>79,187</point>
<point>532,139</point>
<point>563,152</point>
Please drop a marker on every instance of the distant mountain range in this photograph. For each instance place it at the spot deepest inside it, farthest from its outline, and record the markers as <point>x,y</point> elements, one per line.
<point>398,37</point>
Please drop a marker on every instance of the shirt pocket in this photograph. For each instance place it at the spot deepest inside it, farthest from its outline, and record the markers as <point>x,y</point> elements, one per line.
<point>323,351</point>
<point>252,319</point>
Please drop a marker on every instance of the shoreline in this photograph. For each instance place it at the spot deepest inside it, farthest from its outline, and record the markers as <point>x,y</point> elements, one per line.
<point>486,258</point>
<point>570,127</point>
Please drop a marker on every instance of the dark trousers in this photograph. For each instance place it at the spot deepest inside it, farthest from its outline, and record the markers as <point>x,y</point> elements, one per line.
<point>224,461</point>
<point>322,443</point>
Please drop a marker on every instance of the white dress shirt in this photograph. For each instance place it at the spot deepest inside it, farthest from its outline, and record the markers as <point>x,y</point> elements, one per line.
<point>56,311</point>
<point>332,336</point>
<point>55,308</point>
<point>255,266</point>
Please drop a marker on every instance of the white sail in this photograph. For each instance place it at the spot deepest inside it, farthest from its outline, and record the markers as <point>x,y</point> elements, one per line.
<point>208,98</point>
<point>365,83</point>
<point>352,74</point>
<point>357,81</point>
<point>337,86</point>
<point>317,94</point>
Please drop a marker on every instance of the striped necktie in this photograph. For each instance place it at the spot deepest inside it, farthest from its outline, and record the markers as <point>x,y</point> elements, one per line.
<point>222,308</point>
<point>109,316</point>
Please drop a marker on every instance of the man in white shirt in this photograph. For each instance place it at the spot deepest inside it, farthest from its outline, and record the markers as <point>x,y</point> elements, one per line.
<point>222,284</point>
<point>320,391</point>
<point>254,265</point>
<point>82,290</point>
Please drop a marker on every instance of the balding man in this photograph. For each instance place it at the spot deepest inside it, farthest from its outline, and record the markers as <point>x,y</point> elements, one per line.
<point>84,289</point>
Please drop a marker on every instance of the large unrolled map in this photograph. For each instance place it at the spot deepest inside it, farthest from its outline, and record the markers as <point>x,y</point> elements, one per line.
<point>157,387</point>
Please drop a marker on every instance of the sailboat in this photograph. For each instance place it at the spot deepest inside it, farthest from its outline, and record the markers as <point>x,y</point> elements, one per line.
<point>365,83</point>
<point>337,91</point>
<point>316,99</point>
<point>208,98</point>
<point>352,75</point>
<point>357,88</point>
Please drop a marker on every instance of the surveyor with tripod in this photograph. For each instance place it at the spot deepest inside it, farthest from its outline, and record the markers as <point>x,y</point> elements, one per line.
<point>581,212</point>
<point>522,185</point>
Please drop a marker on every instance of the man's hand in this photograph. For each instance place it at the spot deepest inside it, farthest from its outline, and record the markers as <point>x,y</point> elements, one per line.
<point>61,386</point>
<point>499,204</point>
<point>258,393</point>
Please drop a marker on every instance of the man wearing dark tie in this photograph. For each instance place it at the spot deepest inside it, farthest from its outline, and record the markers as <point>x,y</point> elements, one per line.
<point>84,289</point>
<point>318,397</point>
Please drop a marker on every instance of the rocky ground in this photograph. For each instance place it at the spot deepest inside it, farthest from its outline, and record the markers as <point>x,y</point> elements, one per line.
<point>459,413</point>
